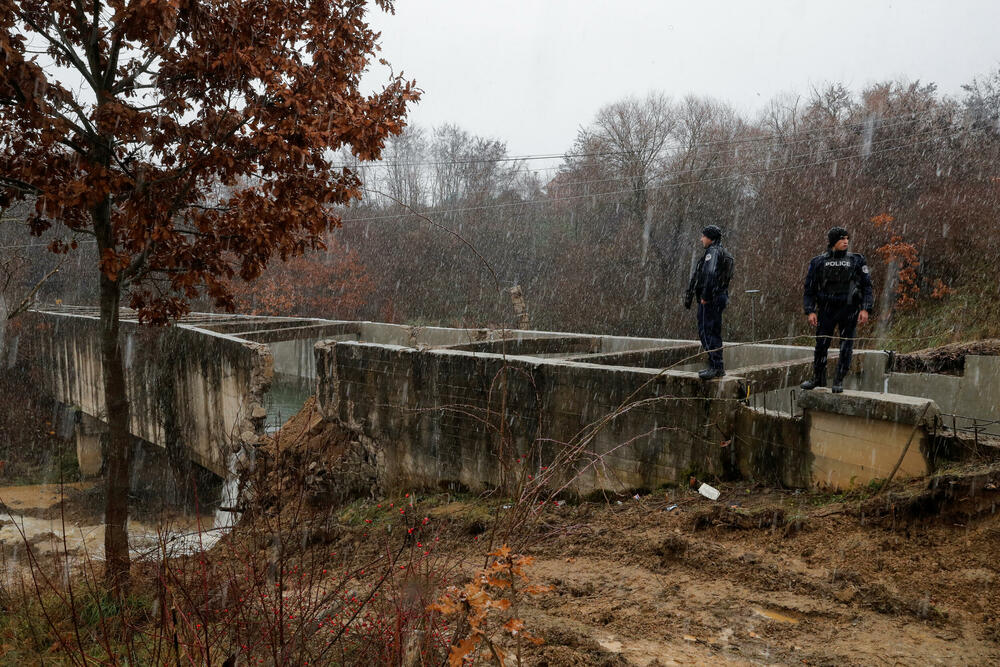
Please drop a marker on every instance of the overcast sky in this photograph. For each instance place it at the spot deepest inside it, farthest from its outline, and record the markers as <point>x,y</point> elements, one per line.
<point>533,71</point>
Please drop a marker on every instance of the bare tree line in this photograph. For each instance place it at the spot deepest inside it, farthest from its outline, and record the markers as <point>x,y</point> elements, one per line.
<point>603,240</point>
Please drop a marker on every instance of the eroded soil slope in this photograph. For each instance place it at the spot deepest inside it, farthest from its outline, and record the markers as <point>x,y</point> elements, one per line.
<point>780,579</point>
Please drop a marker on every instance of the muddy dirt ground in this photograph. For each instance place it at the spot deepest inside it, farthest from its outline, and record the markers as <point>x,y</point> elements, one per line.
<point>761,576</point>
<point>822,585</point>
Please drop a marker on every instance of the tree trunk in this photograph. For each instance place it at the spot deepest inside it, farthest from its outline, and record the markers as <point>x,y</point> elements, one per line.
<point>116,404</point>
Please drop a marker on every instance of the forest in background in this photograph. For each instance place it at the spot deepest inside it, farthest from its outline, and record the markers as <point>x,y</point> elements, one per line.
<point>603,241</point>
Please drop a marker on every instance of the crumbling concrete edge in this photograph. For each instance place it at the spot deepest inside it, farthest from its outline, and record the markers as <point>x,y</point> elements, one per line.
<point>896,408</point>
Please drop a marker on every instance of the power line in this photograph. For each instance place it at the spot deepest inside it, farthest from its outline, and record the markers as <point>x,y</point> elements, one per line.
<point>530,202</point>
<point>813,132</point>
<point>741,174</point>
<point>663,175</point>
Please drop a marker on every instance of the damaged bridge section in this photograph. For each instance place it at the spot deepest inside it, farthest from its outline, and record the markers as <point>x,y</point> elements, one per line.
<point>440,406</point>
<point>198,391</point>
<point>477,408</point>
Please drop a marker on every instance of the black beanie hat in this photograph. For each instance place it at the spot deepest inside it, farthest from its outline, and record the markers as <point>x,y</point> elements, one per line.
<point>712,232</point>
<point>834,235</point>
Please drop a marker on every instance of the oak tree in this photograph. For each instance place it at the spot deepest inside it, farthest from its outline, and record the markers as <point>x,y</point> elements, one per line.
<point>193,141</point>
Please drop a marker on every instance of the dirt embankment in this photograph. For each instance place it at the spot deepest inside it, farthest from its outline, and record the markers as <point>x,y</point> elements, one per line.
<point>310,460</point>
<point>761,576</point>
<point>946,359</point>
<point>783,579</point>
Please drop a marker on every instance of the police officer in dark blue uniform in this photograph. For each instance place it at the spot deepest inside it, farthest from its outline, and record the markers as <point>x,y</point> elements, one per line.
<point>710,285</point>
<point>838,295</point>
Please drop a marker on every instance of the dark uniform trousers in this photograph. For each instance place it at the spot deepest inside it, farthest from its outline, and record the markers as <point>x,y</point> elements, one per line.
<point>710,330</point>
<point>834,315</point>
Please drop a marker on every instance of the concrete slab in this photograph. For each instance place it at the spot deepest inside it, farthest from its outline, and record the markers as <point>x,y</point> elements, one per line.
<point>852,451</point>
<point>897,408</point>
<point>858,436</point>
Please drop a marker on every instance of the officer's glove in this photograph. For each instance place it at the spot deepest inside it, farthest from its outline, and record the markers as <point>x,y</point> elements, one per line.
<point>688,298</point>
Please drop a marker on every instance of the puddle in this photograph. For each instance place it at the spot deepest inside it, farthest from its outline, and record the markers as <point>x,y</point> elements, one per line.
<point>775,615</point>
<point>39,496</point>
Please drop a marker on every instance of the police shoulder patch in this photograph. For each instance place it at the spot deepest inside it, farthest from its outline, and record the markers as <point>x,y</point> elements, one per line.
<point>864,269</point>
<point>708,257</point>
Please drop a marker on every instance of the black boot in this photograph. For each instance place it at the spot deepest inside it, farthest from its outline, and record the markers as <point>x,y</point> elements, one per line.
<point>838,385</point>
<point>818,380</point>
<point>710,373</point>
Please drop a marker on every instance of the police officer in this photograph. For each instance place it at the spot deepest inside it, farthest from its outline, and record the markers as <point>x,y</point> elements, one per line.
<point>710,285</point>
<point>838,294</point>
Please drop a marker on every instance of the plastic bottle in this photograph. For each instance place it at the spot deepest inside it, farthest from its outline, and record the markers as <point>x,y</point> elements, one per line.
<point>709,492</point>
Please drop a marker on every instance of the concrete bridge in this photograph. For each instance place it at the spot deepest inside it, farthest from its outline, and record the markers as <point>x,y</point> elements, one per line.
<point>439,406</point>
<point>200,389</point>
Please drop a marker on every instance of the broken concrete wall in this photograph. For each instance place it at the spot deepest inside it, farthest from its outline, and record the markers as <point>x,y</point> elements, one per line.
<point>841,441</point>
<point>440,416</point>
<point>191,391</point>
<point>292,346</point>
<point>772,448</point>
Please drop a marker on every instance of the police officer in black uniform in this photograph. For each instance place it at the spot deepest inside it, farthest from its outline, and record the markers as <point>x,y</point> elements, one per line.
<point>710,285</point>
<point>838,295</point>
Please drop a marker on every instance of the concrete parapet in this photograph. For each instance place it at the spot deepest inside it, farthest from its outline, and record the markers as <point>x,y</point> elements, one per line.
<point>191,391</point>
<point>658,357</point>
<point>856,437</point>
<point>416,336</point>
<point>553,345</point>
<point>309,331</point>
<point>436,417</point>
<point>236,325</point>
<point>868,405</point>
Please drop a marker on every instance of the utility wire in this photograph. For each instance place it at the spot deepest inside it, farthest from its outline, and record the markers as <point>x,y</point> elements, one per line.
<point>726,150</point>
<point>666,175</point>
<point>656,187</point>
<point>702,169</point>
<point>780,139</point>
<point>741,174</point>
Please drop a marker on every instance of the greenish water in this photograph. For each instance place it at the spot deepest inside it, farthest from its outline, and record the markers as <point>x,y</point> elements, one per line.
<point>288,394</point>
